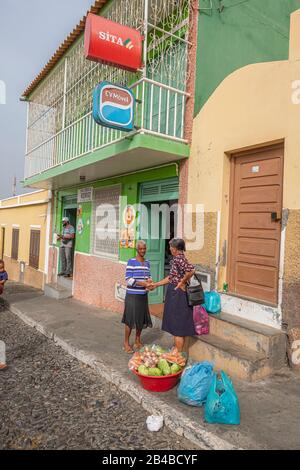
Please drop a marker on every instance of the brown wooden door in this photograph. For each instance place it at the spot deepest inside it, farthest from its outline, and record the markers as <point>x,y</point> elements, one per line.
<point>15,244</point>
<point>256,205</point>
<point>34,249</point>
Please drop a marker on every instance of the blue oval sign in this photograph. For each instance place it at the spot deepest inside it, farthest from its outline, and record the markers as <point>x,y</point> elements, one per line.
<point>113,106</point>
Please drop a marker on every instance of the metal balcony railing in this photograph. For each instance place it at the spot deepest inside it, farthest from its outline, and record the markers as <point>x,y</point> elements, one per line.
<point>160,110</point>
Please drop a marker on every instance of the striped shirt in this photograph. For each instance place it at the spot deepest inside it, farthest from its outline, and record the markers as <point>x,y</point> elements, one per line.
<point>137,271</point>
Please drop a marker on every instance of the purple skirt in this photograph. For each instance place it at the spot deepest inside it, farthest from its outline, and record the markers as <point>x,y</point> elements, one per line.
<point>178,315</point>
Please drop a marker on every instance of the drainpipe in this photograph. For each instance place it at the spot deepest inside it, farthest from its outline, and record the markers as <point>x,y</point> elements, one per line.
<point>145,49</point>
<point>218,250</point>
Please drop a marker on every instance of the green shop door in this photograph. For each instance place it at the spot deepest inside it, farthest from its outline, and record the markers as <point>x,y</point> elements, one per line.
<point>157,192</point>
<point>69,209</point>
<point>155,251</point>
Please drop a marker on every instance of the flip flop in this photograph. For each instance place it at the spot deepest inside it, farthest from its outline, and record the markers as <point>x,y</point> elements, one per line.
<point>137,348</point>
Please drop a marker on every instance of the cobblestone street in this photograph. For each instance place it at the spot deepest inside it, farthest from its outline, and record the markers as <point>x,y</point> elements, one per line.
<point>51,401</point>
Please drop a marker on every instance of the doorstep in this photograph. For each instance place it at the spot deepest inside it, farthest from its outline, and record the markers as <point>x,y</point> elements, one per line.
<point>252,310</point>
<point>57,291</point>
<point>244,349</point>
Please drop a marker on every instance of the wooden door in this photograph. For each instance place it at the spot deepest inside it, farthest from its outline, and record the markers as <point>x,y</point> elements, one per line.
<point>255,223</point>
<point>34,249</point>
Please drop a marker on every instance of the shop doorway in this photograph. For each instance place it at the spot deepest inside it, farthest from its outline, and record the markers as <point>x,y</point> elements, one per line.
<point>71,213</point>
<point>165,195</point>
<point>255,223</point>
<point>69,209</point>
<point>158,251</point>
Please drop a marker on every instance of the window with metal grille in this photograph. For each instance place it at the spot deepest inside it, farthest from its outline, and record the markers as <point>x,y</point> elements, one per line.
<point>106,214</point>
<point>15,243</point>
<point>34,249</point>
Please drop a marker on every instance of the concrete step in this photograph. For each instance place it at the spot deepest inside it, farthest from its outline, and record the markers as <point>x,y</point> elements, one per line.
<point>56,291</point>
<point>66,282</point>
<point>251,335</point>
<point>237,361</point>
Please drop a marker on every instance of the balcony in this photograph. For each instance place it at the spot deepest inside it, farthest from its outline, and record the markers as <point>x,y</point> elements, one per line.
<point>61,133</point>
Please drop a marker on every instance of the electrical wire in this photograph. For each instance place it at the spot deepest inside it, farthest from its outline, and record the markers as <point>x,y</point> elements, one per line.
<point>211,7</point>
<point>260,17</point>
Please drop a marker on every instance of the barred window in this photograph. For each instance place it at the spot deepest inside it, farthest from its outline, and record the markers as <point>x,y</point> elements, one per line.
<point>106,213</point>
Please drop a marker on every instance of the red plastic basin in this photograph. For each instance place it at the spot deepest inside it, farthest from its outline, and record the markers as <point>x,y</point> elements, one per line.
<point>159,384</point>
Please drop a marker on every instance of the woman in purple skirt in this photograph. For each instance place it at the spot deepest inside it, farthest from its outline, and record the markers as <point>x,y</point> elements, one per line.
<point>178,315</point>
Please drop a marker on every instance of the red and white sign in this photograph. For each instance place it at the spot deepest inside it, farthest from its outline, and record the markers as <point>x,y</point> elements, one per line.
<point>111,43</point>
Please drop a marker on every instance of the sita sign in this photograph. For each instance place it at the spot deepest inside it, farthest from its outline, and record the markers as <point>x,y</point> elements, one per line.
<point>111,43</point>
<point>113,106</point>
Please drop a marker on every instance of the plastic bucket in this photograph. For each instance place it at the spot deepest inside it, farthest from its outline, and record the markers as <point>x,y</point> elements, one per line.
<point>159,384</point>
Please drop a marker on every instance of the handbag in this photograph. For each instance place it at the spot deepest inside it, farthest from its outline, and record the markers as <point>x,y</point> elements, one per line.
<point>195,293</point>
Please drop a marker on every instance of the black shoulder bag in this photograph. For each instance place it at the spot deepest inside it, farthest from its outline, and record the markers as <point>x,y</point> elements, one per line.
<point>195,293</point>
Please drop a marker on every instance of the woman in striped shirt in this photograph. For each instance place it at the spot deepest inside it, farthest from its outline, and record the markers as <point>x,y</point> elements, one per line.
<point>136,314</point>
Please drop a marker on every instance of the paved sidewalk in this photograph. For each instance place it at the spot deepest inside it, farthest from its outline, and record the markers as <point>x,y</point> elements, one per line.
<point>270,409</point>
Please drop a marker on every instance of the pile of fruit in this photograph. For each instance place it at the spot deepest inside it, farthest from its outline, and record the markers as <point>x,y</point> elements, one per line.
<point>156,361</point>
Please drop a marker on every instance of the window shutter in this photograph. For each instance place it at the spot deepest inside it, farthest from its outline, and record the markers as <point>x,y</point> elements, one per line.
<point>15,243</point>
<point>69,201</point>
<point>34,250</point>
<point>156,191</point>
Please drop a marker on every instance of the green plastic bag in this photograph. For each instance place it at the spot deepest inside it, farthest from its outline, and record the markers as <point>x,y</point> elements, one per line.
<point>222,404</point>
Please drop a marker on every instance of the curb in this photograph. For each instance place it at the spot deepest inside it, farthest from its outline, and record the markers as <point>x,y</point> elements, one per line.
<point>176,422</point>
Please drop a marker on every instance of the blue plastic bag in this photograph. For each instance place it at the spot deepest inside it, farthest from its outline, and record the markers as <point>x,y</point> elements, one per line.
<point>212,302</point>
<point>195,384</point>
<point>222,404</point>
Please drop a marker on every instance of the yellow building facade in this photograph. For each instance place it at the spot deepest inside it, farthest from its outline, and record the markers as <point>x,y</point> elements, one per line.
<point>245,159</point>
<point>24,237</point>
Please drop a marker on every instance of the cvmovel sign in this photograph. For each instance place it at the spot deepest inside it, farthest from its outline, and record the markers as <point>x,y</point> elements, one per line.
<point>113,106</point>
<point>111,43</point>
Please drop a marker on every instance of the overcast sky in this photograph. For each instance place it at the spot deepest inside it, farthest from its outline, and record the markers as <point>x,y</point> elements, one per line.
<point>30,32</point>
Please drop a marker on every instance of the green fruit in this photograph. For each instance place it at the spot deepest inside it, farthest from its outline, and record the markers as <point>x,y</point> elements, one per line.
<point>164,367</point>
<point>175,368</point>
<point>159,350</point>
<point>143,370</point>
<point>155,372</point>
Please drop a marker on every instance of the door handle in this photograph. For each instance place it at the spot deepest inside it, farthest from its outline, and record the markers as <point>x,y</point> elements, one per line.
<point>276,216</point>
